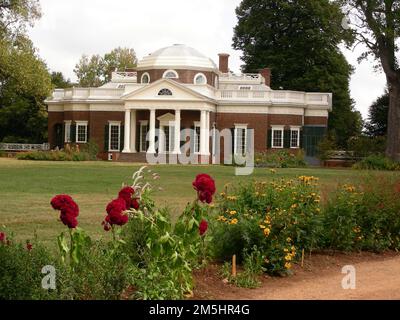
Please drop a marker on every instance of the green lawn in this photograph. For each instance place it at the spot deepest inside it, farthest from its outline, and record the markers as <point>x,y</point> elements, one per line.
<point>26,188</point>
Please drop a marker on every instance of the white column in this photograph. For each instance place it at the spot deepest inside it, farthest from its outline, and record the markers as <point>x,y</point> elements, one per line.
<point>177,135</point>
<point>127,132</point>
<point>207,132</point>
<point>152,132</point>
<point>203,129</point>
<point>133,131</point>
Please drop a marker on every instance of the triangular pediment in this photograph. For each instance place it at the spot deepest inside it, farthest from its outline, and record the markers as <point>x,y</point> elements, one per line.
<point>151,92</point>
<point>167,117</point>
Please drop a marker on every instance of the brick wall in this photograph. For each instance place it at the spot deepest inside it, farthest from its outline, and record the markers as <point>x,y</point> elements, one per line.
<point>185,76</point>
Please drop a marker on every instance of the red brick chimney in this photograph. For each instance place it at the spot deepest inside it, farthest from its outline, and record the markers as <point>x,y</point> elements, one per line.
<point>266,73</point>
<point>223,62</point>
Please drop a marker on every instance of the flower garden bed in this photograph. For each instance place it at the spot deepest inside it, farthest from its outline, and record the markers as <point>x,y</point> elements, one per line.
<point>270,227</point>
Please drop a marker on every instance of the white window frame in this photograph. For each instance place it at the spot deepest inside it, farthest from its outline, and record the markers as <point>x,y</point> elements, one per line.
<point>273,130</point>
<point>67,137</point>
<point>173,71</point>
<point>114,124</point>
<point>197,137</point>
<point>295,129</point>
<point>141,78</point>
<point>81,124</point>
<point>200,75</point>
<point>142,124</point>
<point>240,126</point>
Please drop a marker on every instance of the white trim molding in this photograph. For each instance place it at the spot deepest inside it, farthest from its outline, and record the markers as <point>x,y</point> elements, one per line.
<point>81,124</point>
<point>148,77</point>
<point>243,146</point>
<point>114,124</point>
<point>200,75</point>
<point>295,129</point>
<point>170,71</point>
<point>67,131</point>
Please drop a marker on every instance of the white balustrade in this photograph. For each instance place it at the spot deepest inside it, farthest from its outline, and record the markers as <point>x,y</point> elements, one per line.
<point>24,146</point>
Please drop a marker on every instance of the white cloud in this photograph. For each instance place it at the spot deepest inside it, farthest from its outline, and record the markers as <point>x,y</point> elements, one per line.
<point>71,28</point>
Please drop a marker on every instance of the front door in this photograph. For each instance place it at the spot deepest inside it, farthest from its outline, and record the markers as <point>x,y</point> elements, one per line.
<point>167,144</point>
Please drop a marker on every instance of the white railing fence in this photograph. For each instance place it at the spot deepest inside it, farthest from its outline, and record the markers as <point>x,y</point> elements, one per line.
<point>24,147</point>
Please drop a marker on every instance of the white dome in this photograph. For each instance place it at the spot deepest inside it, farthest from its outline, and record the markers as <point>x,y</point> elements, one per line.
<point>177,56</point>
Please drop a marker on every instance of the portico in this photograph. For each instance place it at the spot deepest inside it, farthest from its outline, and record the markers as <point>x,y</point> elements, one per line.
<point>166,104</point>
<point>169,130</point>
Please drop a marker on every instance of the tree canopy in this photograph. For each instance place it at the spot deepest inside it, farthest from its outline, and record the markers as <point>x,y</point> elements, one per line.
<point>378,116</point>
<point>24,78</point>
<point>96,70</point>
<point>59,81</point>
<point>376,25</point>
<point>299,40</point>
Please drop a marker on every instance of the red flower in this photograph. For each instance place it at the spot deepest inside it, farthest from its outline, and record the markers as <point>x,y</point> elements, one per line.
<point>115,212</point>
<point>2,236</point>
<point>126,194</point>
<point>69,220</point>
<point>29,246</point>
<point>203,227</point>
<point>106,225</point>
<point>59,201</point>
<point>205,187</point>
<point>69,210</point>
<point>135,204</point>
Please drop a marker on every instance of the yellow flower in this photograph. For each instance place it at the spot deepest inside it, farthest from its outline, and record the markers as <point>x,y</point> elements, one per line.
<point>221,218</point>
<point>234,221</point>
<point>294,206</point>
<point>289,239</point>
<point>288,265</point>
<point>231,198</point>
<point>286,250</point>
<point>262,227</point>
<point>267,231</point>
<point>222,194</point>
<point>288,257</point>
<point>232,213</point>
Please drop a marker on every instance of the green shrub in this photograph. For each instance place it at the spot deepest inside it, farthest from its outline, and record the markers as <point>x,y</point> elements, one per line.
<point>21,271</point>
<point>325,147</point>
<point>364,218</point>
<point>103,273</point>
<point>377,162</point>
<point>54,155</point>
<point>159,256</point>
<point>280,159</point>
<point>363,146</point>
<point>92,149</point>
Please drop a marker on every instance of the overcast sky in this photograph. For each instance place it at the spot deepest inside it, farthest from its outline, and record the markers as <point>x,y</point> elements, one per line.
<point>71,28</point>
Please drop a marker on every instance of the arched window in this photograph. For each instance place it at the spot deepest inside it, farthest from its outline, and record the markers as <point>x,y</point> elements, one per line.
<point>170,74</point>
<point>145,78</point>
<point>200,79</point>
<point>165,92</point>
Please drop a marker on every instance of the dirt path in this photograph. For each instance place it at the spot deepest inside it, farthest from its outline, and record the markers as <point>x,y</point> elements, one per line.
<point>377,277</point>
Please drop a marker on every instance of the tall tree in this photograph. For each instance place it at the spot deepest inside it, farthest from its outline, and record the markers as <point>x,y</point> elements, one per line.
<point>24,78</point>
<point>378,116</point>
<point>89,71</point>
<point>377,25</point>
<point>59,81</point>
<point>15,15</point>
<point>95,70</point>
<point>299,40</point>
<point>119,59</point>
